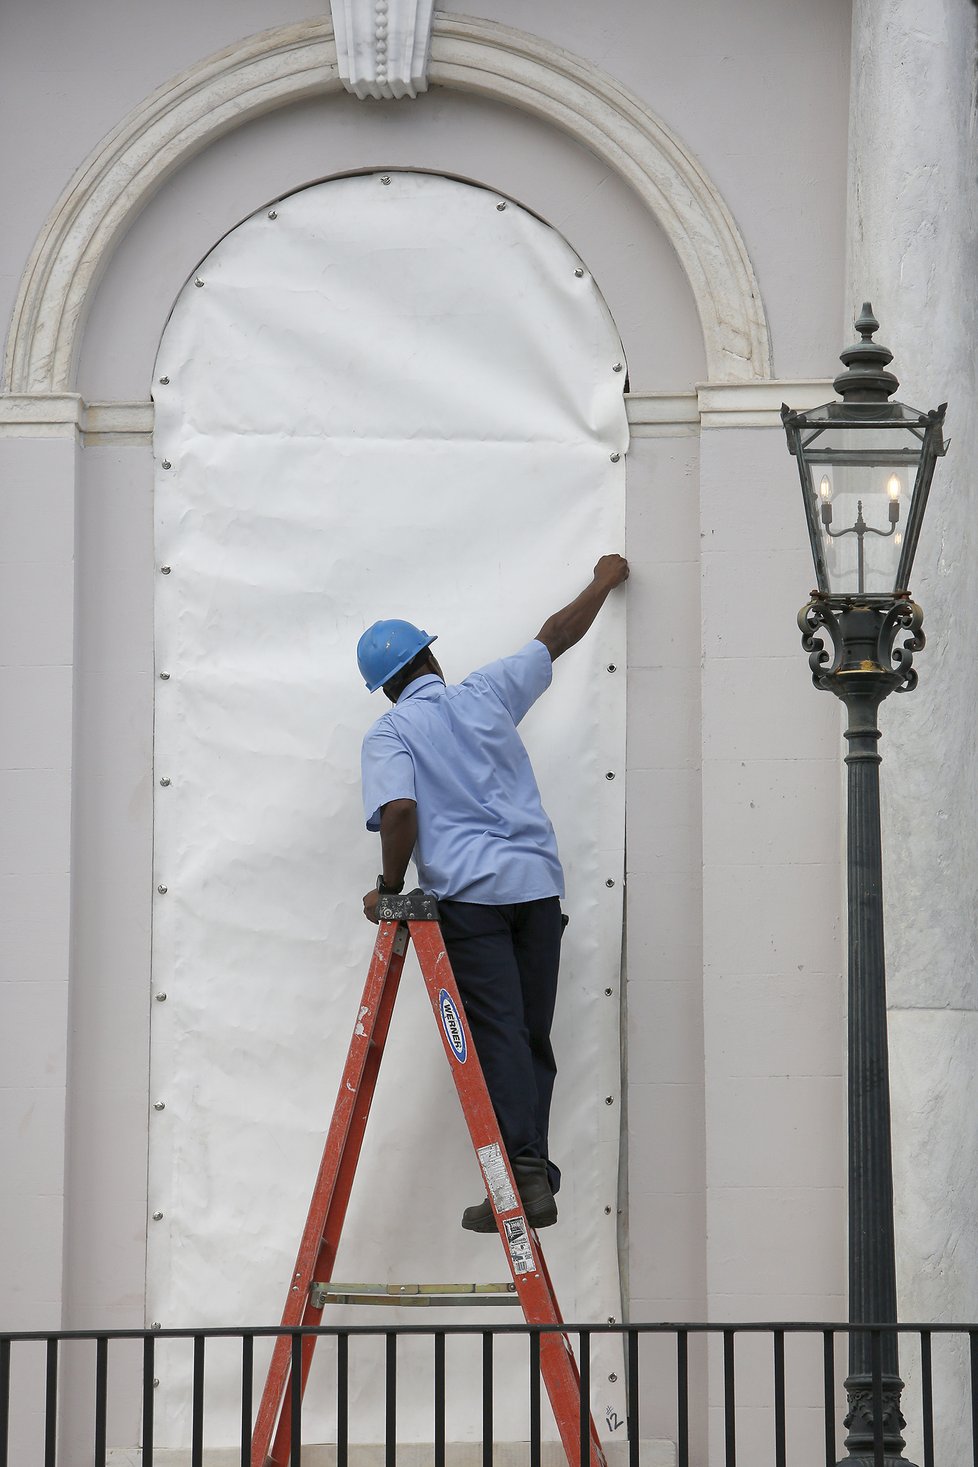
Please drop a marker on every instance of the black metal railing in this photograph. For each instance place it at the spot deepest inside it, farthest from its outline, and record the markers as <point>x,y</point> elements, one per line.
<point>771,1392</point>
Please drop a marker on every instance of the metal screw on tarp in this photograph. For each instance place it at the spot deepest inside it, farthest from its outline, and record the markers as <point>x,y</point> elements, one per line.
<point>609,775</point>
<point>272,214</point>
<point>161,998</point>
<point>501,206</point>
<point>167,464</point>
<point>615,457</point>
<point>607,1212</point>
<point>385,179</point>
<point>162,890</point>
<point>159,1105</point>
<point>612,667</point>
<point>612,1377</point>
<point>157,1217</point>
<point>609,1100</point>
<point>610,881</point>
<point>164,781</point>
<point>607,993</point>
<point>165,381</point>
<point>164,570</point>
<point>616,367</point>
<point>165,677</point>
<point>198,282</point>
<point>579,273</point>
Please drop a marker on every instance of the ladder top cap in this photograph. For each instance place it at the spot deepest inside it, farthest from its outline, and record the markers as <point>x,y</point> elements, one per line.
<point>413,906</point>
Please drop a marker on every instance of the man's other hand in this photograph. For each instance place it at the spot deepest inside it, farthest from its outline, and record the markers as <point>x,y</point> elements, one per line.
<point>370,905</point>
<point>611,570</point>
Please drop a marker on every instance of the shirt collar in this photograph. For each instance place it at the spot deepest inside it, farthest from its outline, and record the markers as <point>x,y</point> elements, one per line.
<point>419,684</point>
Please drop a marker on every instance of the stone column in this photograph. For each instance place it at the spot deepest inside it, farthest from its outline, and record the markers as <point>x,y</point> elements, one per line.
<point>912,240</point>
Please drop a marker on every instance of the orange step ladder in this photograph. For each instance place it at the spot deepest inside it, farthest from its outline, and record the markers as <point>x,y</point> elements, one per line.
<point>413,917</point>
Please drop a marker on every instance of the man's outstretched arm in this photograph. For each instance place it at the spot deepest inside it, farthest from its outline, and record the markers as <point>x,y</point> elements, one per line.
<point>398,834</point>
<point>566,627</point>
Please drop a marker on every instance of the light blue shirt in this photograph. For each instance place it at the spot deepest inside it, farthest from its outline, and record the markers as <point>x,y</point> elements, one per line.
<point>483,834</point>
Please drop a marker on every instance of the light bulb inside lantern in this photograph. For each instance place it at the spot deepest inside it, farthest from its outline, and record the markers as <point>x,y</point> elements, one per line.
<point>893,486</point>
<point>825,489</point>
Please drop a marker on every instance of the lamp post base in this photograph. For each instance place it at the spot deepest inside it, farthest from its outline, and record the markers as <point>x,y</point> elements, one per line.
<point>860,1423</point>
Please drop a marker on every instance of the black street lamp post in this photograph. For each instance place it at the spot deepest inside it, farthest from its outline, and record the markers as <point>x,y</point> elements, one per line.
<point>866,465</point>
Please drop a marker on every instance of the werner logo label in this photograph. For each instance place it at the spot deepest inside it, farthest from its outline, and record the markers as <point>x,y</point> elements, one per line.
<point>452,1025</point>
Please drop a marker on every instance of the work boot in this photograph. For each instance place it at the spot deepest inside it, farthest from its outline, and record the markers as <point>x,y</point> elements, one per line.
<point>535,1194</point>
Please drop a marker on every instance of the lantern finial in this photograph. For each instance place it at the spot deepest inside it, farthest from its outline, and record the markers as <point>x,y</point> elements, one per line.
<point>865,380</point>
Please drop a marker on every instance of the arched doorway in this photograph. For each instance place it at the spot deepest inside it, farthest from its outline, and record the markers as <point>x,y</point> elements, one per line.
<point>390,394</point>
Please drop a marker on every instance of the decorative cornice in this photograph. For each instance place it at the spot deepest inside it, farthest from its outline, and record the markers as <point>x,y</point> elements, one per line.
<point>662,414</point>
<point>757,404</point>
<point>720,405</point>
<point>295,62</point>
<point>63,414</point>
<point>382,46</point>
<point>650,415</point>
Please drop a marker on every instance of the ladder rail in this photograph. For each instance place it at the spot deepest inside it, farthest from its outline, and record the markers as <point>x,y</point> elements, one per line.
<point>331,1192</point>
<point>532,1279</point>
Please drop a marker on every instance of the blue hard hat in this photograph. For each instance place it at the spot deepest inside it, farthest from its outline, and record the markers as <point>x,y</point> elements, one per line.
<point>386,647</point>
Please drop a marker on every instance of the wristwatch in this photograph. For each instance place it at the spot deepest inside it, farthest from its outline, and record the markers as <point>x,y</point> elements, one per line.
<point>385,890</point>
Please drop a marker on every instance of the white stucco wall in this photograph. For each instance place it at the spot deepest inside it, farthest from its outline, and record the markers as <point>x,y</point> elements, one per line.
<point>37,617</point>
<point>735,1102</point>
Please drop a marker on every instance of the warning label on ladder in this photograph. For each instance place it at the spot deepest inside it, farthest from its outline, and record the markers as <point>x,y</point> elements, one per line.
<point>518,1243</point>
<point>497,1177</point>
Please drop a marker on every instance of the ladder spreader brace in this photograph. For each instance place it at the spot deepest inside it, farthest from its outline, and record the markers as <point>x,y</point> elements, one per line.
<point>402,1296</point>
<point>414,917</point>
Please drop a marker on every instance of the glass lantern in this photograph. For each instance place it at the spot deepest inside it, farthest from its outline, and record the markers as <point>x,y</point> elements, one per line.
<point>866,465</point>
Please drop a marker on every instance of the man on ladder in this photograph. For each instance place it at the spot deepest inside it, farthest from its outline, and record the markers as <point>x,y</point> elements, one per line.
<point>446,778</point>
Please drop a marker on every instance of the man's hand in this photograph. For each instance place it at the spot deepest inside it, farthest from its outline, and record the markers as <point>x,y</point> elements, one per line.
<point>611,570</point>
<point>398,834</point>
<point>565,628</point>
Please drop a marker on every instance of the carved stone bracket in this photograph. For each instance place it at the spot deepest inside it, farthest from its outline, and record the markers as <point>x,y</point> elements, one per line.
<point>382,46</point>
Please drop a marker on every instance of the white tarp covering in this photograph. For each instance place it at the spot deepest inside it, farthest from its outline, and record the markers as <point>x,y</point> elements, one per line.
<point>393,398</point>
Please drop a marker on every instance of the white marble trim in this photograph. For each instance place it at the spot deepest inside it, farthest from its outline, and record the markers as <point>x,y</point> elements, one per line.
<point>294,62</point>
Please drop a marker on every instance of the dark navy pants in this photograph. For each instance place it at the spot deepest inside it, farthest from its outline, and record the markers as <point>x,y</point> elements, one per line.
<point>505,961</point>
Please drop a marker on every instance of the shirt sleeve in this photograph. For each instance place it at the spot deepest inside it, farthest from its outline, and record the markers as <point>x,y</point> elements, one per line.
<point>519,680</point>
<point>387,771</point>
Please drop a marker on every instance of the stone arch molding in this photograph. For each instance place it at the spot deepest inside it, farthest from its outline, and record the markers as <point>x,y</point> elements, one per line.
<point>295,62</point>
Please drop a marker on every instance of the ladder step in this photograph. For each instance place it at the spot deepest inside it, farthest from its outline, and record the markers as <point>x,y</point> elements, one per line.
<point>413,1296</point>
